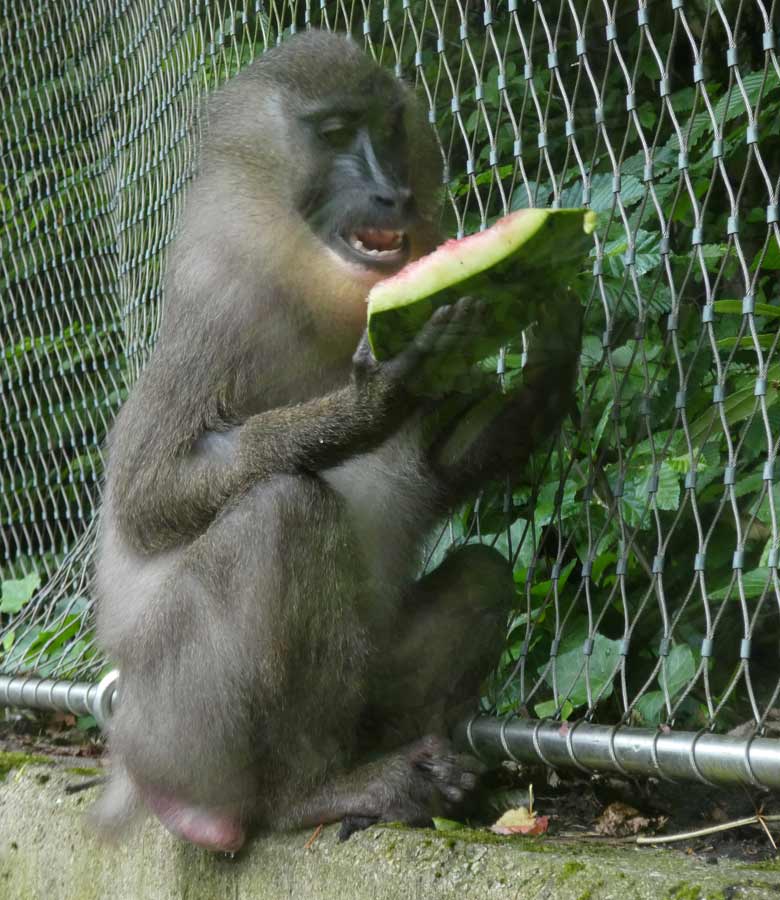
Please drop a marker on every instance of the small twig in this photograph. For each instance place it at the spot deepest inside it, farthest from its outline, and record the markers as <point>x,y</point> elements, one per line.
<point>703,832</point>
<point>593,836</point>
<point>310,843</point>
<point>762,821</point>
<point>85,785</point>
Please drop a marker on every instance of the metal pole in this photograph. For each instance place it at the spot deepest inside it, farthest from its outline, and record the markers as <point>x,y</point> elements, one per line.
<point>702,756</point>
<point>78,697</point>
<point>710,758</point>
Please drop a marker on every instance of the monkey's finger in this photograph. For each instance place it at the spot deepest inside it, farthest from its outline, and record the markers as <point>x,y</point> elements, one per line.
<point>452,793</point>
<point>471,764</point>
<point>469,309</point>
<point>469,781</point>
<point>363,358</point>
<point>425,340</point>
<point>464,324</point>
<point>434,328</point>
<point>448,773</point>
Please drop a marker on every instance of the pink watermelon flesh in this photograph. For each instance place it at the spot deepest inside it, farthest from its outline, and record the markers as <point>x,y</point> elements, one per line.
<point>514,266</point>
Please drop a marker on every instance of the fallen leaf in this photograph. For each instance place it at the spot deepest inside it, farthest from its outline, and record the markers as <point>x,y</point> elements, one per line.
<point>621,820</point>
<point>521,821</point>
<point>60,721</point>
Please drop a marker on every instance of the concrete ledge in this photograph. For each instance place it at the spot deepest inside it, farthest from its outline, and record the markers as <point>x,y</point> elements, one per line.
<point>47,853</point>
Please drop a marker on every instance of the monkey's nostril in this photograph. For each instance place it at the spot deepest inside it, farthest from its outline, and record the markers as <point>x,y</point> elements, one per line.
<point>396,198</point>
<point>388,200</point>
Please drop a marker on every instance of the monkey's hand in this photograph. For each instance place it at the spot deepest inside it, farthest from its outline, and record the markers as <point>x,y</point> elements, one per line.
<point>399,378</point>
<point>496,435</point>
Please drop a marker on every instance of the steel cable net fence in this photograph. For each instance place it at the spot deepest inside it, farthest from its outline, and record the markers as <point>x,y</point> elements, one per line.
<point>645,539</point>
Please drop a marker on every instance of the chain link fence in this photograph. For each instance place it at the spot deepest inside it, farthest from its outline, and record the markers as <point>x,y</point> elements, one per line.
<point>646,540</point>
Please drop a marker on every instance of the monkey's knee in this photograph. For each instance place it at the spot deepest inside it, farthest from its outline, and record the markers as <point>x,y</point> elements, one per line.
<point>448,640</point>
<point>476,577</point>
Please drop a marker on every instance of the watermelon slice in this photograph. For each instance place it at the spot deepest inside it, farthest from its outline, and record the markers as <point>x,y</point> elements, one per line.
<point>517,264</point>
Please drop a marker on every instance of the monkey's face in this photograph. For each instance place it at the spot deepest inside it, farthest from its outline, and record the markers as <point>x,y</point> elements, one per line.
<point>327,173</point>
<point>360,201</point>
<point>367,171</point>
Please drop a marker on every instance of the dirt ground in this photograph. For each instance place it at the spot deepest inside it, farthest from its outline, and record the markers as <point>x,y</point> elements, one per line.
<point>600,809</point>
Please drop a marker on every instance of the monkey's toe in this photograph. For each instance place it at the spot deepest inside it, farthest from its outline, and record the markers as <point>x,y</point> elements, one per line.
<point>454,776</point>
<point>215,831</point>
<point>352,824</point>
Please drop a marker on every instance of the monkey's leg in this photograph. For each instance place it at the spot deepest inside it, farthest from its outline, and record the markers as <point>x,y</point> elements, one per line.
<point>242,675</point>
<point>421,780</point>
<point>449,637</point>
<point>424,675</point>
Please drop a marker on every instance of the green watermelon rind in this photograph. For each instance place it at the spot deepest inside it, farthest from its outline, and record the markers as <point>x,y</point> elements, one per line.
<point>514,266</point>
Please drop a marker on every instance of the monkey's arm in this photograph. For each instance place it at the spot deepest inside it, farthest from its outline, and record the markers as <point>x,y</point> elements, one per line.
<point>496,435</point>
<point>162,497</point>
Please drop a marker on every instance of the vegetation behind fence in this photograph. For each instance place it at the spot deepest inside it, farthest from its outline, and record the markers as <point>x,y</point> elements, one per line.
<point>645,540</point>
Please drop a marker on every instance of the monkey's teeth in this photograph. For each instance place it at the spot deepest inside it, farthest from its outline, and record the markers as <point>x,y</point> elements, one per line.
<point>382,243</point>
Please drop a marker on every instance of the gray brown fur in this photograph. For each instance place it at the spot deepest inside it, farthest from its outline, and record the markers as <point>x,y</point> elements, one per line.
<point>269,492</point>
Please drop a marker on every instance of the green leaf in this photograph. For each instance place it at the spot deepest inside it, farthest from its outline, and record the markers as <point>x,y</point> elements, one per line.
<point>754,583</point>
<point>736,406</point>
<point>519,531</point>
<point>679,668</point>
<point>570,669</point>
<point>541,588</point>
<point>55,638</point>
<point>16,594</point>
<point>668,494</point>
<point>635,491</point>
<point>602,195</point>
<point>549,708</point>
<point>447,824</point>
<point>546,508</point>
<point>765,342</point>
<point>771,258</point>
<point>734,307</point>
<point>650,707</point>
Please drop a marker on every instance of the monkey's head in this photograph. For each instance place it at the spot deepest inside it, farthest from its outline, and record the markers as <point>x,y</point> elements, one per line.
<point>331,162</point>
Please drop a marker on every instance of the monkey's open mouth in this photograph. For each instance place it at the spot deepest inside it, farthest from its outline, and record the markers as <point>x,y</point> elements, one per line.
<point>378,246</point>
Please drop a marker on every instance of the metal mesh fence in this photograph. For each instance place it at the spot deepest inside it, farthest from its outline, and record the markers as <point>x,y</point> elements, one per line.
<point>646,541</point>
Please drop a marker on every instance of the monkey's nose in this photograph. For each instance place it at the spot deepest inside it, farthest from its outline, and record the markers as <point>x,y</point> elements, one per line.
<point>393,198</point>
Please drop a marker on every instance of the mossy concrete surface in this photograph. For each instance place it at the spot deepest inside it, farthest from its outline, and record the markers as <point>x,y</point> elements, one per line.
<point>48,853</point>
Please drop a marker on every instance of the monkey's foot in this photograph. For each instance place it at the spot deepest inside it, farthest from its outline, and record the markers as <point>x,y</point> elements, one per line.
<point>449,776</point>
<point>351,824</point>
<point>427,779</point>
<point>215,831</point>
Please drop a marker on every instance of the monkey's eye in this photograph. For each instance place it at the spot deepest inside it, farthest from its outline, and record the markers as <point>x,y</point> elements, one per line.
<point>336,132</point>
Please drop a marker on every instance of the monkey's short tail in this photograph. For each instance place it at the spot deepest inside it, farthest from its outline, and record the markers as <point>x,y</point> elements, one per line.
<point>118,807</point>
